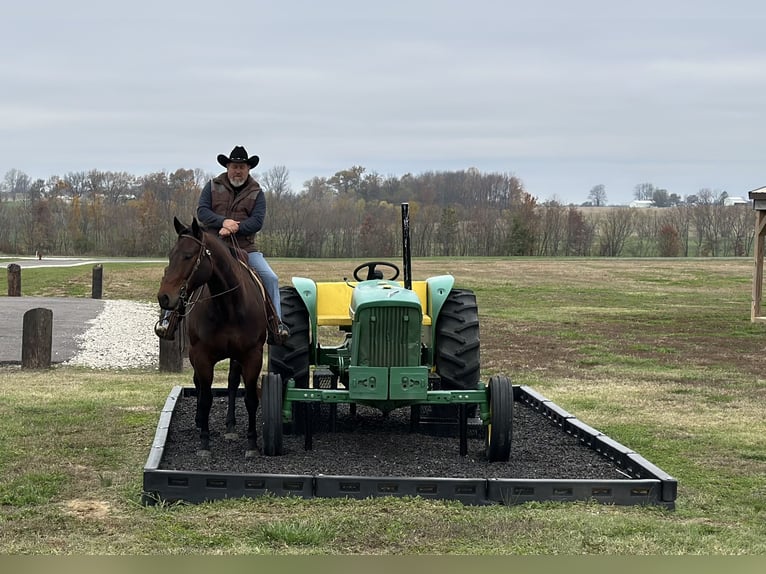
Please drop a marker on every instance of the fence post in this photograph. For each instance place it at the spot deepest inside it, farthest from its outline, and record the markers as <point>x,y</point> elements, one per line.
<point>14,280</point>
<point>97,283</point>
<point>37,339</point>
<point>172,352</point>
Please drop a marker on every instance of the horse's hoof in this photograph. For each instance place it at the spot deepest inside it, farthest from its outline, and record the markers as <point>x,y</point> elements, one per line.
<point>203,453</point>
<point>251,453</point>
<point>231,436</point>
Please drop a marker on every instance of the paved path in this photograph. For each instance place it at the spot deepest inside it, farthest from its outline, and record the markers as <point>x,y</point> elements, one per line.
<point>70,318</point>
<point>33,262</point>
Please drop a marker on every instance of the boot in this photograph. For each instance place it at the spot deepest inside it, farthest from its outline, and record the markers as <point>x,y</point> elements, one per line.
<point>279,335</point>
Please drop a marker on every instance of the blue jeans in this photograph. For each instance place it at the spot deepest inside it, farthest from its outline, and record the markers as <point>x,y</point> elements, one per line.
<point>257,261</point>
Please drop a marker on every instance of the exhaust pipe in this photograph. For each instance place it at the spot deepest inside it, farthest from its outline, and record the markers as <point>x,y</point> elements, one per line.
<point>406,251</point>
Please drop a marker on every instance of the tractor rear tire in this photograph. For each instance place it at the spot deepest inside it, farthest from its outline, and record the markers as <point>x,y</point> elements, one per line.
<point>271,409</point>
<point>291,359</point>
<point>457,348</point>
<point>500,431</point>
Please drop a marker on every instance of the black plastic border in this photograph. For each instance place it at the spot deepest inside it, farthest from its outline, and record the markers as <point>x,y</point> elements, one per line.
<point>647,484</point>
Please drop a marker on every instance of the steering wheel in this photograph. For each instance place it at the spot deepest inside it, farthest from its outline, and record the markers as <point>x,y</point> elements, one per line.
<point>373,273</point>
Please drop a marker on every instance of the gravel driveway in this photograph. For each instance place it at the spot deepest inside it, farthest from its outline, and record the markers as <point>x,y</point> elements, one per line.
<point>90,332</point>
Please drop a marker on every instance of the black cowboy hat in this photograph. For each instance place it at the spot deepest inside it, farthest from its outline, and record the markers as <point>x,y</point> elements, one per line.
<point>238,155</point>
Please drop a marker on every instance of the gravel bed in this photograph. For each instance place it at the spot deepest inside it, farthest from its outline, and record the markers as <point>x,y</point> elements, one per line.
<point>372,445</point>
<point>122,337</point>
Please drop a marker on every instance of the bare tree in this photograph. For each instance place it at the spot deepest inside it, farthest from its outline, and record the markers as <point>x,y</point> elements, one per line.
<point>679,218</point>
<point>552,234</point>
<point>708,222</point>
<point>668,241</point>
<point>643,191</point>
<point>317,188</point>
<point>739,224</point>
<point>523,227</point>
<point>447,232</point>
<point>597,195</point>
<point>185,187</point>
<point>16,183</point>
<point>580,233</point>
<point>283,233</point>
<point>114,187</point>
<point>276,181</point>
<point>614,228</point>
<point>424,226</point>
<point>645,233</point>
<point>77,184</point>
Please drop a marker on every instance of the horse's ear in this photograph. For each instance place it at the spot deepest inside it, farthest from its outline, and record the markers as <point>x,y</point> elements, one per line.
<point>196,229</point>
<point>178,225</point>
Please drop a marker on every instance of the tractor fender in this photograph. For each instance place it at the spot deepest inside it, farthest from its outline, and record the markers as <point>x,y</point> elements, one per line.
<point>307,289</point>
<point>439,288</point>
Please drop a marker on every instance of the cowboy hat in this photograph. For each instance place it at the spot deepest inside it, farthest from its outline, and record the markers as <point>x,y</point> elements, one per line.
<point>238,155</point>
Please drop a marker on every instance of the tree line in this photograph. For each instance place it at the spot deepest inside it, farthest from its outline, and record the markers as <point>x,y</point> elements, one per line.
<point>356,214</point>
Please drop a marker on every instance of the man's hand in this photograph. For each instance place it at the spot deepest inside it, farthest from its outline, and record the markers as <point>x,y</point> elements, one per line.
<point>230,227</point>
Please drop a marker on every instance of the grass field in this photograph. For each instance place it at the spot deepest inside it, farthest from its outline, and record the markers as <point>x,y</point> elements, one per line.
<point>659,354</point>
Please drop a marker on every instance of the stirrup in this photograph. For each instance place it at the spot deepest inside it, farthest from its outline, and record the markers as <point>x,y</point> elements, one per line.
<point>280,337</point>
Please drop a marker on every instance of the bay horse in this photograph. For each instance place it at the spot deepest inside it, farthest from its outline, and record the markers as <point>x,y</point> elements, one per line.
<point>225,312</point>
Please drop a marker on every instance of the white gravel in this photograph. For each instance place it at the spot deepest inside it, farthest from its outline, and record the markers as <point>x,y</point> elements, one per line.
<point>121,337</point>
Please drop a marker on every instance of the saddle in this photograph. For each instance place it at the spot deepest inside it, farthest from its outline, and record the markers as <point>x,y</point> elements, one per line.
<point>272,321</point>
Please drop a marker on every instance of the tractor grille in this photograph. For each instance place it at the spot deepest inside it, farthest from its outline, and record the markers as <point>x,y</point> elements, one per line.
<point>390,337</point>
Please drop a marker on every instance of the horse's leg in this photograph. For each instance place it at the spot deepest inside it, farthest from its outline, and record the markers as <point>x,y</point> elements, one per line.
<point>195,378</point>
<point>235,374</point>
<point>251,371</point>
<point>203,381</point>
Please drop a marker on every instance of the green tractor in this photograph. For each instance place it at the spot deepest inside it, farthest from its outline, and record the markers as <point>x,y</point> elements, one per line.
<point>404,344</point>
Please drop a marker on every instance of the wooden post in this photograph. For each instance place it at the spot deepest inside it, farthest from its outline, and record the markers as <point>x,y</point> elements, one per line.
<point>14,280</point>
<point>759,205</point>
<point>171,358</point>
<point>37,339</point>
<point>97,283</point>
<point>760,230</point>
<point>172,353</point>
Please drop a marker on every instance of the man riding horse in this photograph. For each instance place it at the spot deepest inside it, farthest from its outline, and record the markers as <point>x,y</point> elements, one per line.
<point>234,204</point>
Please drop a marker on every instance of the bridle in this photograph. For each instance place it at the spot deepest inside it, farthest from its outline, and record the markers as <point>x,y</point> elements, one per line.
<point>183,294</point>
<point>185,297</point>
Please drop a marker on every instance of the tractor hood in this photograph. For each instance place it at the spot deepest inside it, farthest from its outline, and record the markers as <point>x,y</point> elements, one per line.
<point>382,293</point>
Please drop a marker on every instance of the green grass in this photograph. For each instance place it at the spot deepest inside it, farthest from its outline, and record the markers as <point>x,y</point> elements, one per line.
<point>659,355</point>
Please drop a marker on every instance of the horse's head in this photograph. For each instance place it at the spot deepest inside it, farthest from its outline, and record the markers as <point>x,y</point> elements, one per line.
<point>188,267</point>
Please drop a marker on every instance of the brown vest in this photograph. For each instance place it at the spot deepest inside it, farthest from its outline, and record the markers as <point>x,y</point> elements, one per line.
<point>232,205</point>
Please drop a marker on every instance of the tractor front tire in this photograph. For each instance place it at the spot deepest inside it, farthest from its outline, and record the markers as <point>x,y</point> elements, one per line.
<point>500,431</point>
<point>271,409</point>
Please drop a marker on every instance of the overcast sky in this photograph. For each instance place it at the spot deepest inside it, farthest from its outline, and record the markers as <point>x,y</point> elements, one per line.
<point>565,95</point>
